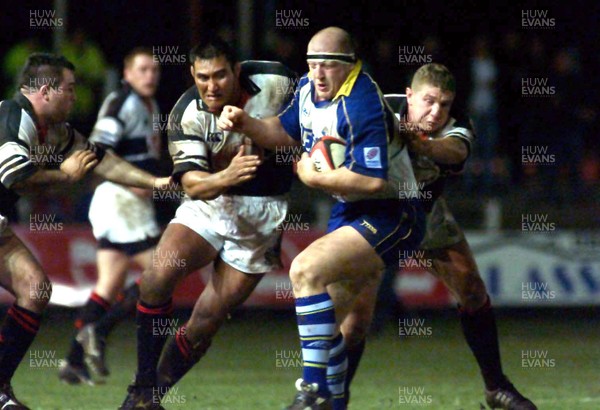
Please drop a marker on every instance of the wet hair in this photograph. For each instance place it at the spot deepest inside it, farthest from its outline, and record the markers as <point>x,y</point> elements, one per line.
<point>434,74</point>
<point>213,47</point>
<point>43,69</point>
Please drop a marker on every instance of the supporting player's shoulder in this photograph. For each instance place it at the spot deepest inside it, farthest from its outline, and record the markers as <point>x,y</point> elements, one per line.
<point>365,93</point>
<point>265,67</point>
<point>190,98</point>
<point>257,76</point>
<point>185,114</point>
<point>270,84</point>
<point>115,103</point>
<point>396,102</point>
<point>16,124</point>
<point>364,102</point>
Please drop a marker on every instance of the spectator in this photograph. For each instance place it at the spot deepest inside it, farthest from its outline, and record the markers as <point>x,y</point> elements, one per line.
<point>568,117</point>
<point>91,70</point>
<point>15,59</point>
<point>482,108</point>
<point>511,64</point>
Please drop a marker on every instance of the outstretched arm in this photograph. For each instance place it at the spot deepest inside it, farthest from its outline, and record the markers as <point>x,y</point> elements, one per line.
<point>72,169</point>
<point>447,150</point>
<point>267,132</point>
<point>116,169</point>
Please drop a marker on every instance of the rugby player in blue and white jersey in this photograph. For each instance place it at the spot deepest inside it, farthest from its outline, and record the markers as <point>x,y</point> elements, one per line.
<point>236,197</point>
<point>123,218</point>
<point>39,148</point>
<point>368,226</point>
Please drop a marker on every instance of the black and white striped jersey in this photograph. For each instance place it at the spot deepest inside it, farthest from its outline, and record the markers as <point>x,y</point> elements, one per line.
<point>25,146</point>
<point>196,143</point>
<point>432,175</point>
<point>130,126</point>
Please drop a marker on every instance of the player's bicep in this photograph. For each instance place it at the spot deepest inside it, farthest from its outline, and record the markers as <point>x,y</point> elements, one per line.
<point>107,131</point>
<point>81,143</point>
<point>189,153</point>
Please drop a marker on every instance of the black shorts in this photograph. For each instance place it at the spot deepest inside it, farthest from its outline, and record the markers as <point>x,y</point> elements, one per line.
<point>129,248</point>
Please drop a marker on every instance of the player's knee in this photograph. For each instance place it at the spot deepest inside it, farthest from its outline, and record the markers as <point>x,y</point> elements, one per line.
<point>38,295</point>
<point>303,272</point>
<point>157,283</point>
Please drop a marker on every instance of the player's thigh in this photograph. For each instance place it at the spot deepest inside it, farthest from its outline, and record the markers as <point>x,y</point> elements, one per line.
<point>226,289</point>
<point>113,266</point>
<point>144,258</point>
<point>343,254</point>
<point>21,274</point>
<point>455,265</point>
<point>179,252</point>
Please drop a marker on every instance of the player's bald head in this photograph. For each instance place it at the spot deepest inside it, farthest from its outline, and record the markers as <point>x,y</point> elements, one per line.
<point>331,40</point>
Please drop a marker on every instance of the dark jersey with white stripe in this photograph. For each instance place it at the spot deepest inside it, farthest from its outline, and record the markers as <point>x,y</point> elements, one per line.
<point>25,146</point>
<point>197,144</point>
<point>129,125</point>
<point>431,175</point>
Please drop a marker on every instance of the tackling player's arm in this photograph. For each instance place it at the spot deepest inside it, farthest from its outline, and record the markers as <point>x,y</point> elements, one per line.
<point>205,185</point>
<point>267,132</point>
<point>72,169</point>
<point>447,150</point>
<point>115,169</point>
<point>192,159</point>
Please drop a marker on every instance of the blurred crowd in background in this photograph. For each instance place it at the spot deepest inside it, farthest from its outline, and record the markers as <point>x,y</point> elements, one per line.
<point>493,72</point>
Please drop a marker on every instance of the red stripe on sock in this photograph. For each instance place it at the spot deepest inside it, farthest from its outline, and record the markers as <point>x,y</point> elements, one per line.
<point>100,300</point>
<point>24,314</point>
<point>13,313</point>
<point>155,311</point>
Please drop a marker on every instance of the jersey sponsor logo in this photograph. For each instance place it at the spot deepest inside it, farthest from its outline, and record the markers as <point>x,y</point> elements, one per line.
<point>372,157</point>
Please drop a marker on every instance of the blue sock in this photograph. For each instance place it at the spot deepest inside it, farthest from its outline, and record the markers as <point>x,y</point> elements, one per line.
<point>316,324</point>
<point>336,372</point>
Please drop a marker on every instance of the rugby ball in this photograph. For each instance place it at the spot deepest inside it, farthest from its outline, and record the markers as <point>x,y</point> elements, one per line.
<point>328,153</point>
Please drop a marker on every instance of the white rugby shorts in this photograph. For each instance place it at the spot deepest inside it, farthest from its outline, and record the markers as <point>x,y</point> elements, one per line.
<point>244,229</point>
<point>120,216</point>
